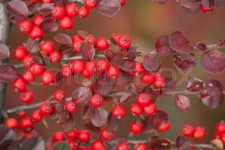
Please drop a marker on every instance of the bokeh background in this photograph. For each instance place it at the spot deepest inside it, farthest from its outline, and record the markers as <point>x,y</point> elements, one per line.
<point>144,21</point>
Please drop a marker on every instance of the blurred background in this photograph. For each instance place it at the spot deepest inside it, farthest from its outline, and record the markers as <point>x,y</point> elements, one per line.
<point>144,21</point>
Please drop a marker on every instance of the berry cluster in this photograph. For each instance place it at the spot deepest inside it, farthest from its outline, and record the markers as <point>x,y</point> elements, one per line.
<point>195,132</point>
<point>220,132</point>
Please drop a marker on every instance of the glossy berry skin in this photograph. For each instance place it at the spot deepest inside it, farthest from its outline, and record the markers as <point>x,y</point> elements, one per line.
<point>113,72</point>
<point>37,69</point>
<point>123,2</point>
<point>91,67</point>
<point>187,130</point>
<point>220,127</point>
<point>124,41</point>
<point>102,43</point>
<point>21,114</point>
<point>222,138</point>
<point>11,123</point>
<point>159,82</point>
<point>78,66</point>
<point>46,1</point>
<point>58,12</point>
<point>84,136</point>
<point>147,78</point>
<point>118,111</point>
<point>47,78</point>
<point>83,12</point>
<point>19,85</point>
<point>66,23</point>
<point>59,95</point>
<point>136,109</point>
<point>47,47</point>
<point>71,106</point>
<point>25,26</point>
<point>150,109</point>
<point>90,3</point>
<point>27,61</point>
<point>28,76</point>
<point>164,127</point>
<point>140,146</point>
<point>72,134</point>
<point>96,100</point>
<point>58,136</point>
<point>90,38</point>
<point>199,133</point>
<point>46,108</point>
<point>55,57</point>
<point>98,145</point>
<point>19,53</point>
<point>122,146</point>
<point>37,19</point>
<point>107,135</point>
<point>136,127</point>
<point>36,32</point>
<point>72,10</point>
<point>66,70</point>
<point>86,74</point>
<point>36,116</point>
<point>77,45</point>
<point>115,37</point>
<point>26,97</point>
<point>205,9</point>
<point>102,65</point>
<point>138,69</point>
<point>143,99</point>
<point>26,124</point>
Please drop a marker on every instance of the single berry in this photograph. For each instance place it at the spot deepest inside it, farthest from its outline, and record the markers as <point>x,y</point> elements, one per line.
<point>91,67</point>
<point>36,116</point>
<point>83,12</point>
<point>147,78</point>
<point>28,76</point>
<point>37,19</point>
<point>55,57</point>
<point>26,97</point>
<point>187,130</point>
<point>140,146</point>
<point>72,134</point>
<point>102,43</point>
<point>150,109</point>
<point>113,72</point>
<point>26,124</point>
<point>90,3</point>
<point>86,74</point>
<point>159,82</point>
<point>66,70</point>
<point>59,95</point>
<point>19,53</point>
<point>66,23</point>
<point>136,127</point>
<point>25,26</point>
<point>19,85</point>
<point>47,78</point>
<point>11,123</point>
<point>98,145</point>
<point>220,127</point>
<point>122,146</point>
<point>96,100</point>
<point>27,61</point>
<point>37,69</point>
<point>47,47</point>
<point>58,136</point>
<point>124,41</point>
<point>123,2</point>
<point>84,136</point>
<point>164,127</point>
<point>72,10</point>
<point>102,65</point>
<point>71,106</point>
<point>46,108</point>
<point>115,37</point>
<point>58,12</point>
<point>118,111</point>
<point>78,66</point>
<point>143,99</point>
<point>106,135</point>
<point>199,133</point>
<point>21,114</point>
<point>136,109</point>
<point>36,32</point>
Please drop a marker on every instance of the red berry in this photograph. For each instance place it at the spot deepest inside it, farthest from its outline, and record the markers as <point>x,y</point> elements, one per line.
<point>83,12</point>
<point>26,97</point>
<point>72,10</point>
<point>66,23</point>
<point>36,116</point>
<point>26,124</point>
<point>216,136</point>
<point>113,72</point>
<point>222,138</point>
<point>21,114</point>
<point>91,67</point>
<point>140,146</point>
<point>138,69</point>
<point>102,43</point>
<point>58,12</point>
<point>59,95</point>
<point>72,134</point>
<point>90,38</point>
<point>19,85</point>
<point>220,127</point>
<point>135,109</point>
<point>123,2</point>
<point>96,100</point>
<point>106,135</point>
<point>124,41</point>
<point>47,78</point>
<point>19,53</point>
<point>25,26</point>
<point>122,146</point>
<point>11,123</point>
<point>159,82</point>
<point>136,127</point>
<point>46,1</point>
<point>118,111</point>
<point>164,127</point>
<point>84,136</point>
<point>98,145</point>
<point>78,66</point>
<point>37,19</point>
<point>58,136</point>
<point>37,69</point>
<point>150,109</point>
<point>66,70</point>
<point>147,78</point>
<point>28,61</point>
<point>76,38</point>
<point>36,32</point>
<point>46,108</point>
<point>86,74</point>
<point>144,99</point>
<point>199,133</point>
<point>77,45</point>
<point>71,106</point>
<point>115,37</point>
<point>55,57</point>
<point>187,130</point>
<point>205,9</point>
<point>102,65</point>
<point>90,3</point>
<point>47,47</point>
<point>28,76</point>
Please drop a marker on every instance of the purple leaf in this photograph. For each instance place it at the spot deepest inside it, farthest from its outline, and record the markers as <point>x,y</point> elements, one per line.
<point>87,112</point>
<point>213,61</point>
<point>109,54</point>
<point>127,65</point>
<point>82,95</point>
<point>83,33</point>
<point>194,84</point>
<point>125,97</point>
<point>69,124</point>
<point>49,24</point>
<point>8,73</point>
<point>179,43</point>
<point>58,78</point>
<point>208,4</point>
<point>182,143</point>
<point>59,114</point>
<point>88,51</point>
<point>63,38</point>
<point>201,46</point>
<point>220,3</point>
<point>34,143</point>
<point>150,62</point>
<point>108,8</point>
<point>185,64</point>
<point>182,102</point>
<point>61,146</point>
<point>161,2</point>
<point>103,85</point>
<point>160,144</point>
<point>4,51</point>
<point>18,8</point>
<point>45,8</point>
<point>117,59</point>
<point>159,118</point>
<point>162,45</point>
<point>32,46</point>
<point>99,117</point>
<point>191,4</point>
<point>113,123</point>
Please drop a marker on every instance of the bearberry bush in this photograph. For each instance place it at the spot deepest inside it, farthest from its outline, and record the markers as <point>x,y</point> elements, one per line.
<point>114,82</point>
